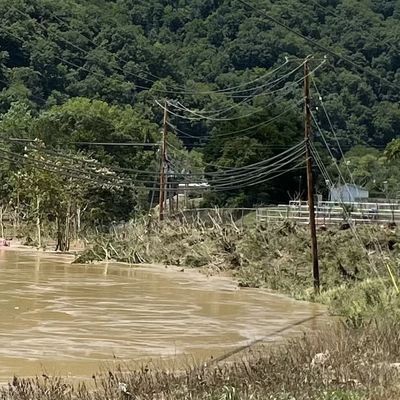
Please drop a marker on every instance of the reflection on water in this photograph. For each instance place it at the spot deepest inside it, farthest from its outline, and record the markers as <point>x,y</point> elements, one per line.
<point>69,319</point>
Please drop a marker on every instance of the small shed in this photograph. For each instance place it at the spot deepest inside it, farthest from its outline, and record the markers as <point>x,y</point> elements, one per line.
<point>348,193</point>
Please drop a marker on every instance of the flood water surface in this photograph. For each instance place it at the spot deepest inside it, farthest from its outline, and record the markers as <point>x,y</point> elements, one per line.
<point>71,319</point>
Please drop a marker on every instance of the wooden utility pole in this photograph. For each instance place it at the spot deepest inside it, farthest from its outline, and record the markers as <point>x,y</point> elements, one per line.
<point>310,178</point>
<point>177,198</point>
<point>170,192</point>
<point>164,150</point>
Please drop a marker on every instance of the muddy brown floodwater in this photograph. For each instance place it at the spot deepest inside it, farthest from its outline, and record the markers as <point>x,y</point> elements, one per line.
<point>70,319</point>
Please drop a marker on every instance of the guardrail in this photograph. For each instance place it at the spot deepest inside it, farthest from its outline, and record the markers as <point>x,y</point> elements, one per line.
<point>354,205</point>
<point>329,213</point>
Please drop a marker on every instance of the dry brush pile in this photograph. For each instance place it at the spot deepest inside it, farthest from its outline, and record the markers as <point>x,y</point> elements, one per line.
<point>359,268</point>
<point>359,360</point>
<point>273,256</point>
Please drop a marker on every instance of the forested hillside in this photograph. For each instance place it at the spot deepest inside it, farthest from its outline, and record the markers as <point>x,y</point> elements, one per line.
<point>128,52</point>
<point>93,70</point>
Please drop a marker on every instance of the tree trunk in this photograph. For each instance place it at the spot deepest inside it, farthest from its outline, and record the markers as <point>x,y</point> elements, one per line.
<point>1,222</point>
<point>16,217</point>
<point>59,235</point>
<point>38,228</point>
<point>17,211</point>
<point>78,221</point>
<point>67,239</point>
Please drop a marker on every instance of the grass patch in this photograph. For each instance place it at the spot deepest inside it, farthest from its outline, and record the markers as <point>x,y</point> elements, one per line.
<point>336,364</point>
<point>355,268</point>
<point>354,360</point>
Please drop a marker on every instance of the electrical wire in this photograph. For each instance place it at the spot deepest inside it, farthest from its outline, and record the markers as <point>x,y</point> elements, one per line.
<point>182,133</point>
<point>198,116</point>
<point>236,94</point>
<point>220,178</point>
<point>201,115</point>
<point>263,124</point>
<point>264,179</point>
<point>348,216</point>
<point>321,166</point>
<point>320,46</point>
<point>79,172</point>
<point>260,125</point>
<point>130,144</point>
<point>64,172</point>
<point>227,170</point>
<point>252,95</point>
<point>260,170</point>
<point>331,125</point>
<point>234,172</point>
<point>378,246</point>
<point>175,91</point>
<point>250,178</point>
<point>96,163</point>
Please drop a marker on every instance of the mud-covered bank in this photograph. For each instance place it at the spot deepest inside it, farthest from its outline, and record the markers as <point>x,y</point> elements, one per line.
<point>359,265</point>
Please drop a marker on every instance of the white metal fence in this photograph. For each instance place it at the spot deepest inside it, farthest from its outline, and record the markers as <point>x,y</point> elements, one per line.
<point>332,213</point>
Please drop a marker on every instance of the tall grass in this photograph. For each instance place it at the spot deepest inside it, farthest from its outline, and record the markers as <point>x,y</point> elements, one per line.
<point>353,360</point>
<point>354,275</point>
<point>336,364</point>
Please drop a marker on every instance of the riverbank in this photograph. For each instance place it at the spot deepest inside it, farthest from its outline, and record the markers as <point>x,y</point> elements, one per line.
<point>71,319</point>
<point>336,364</point>
<point>352,361</point>
<point>359,266</point>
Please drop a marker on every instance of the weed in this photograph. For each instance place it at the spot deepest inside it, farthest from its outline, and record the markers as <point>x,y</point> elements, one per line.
<point>356,366</point>
<point>354,274</point>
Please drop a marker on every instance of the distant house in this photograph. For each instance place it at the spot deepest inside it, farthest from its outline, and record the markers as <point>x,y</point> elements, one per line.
<point>348,193</point>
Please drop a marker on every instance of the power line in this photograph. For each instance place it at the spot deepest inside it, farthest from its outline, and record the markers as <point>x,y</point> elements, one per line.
<point>248,173</point>
<point>226,173</point>
<point>119,144</point>
<point>93,162</point>
<point>252,166</point>
<point>254,90</point>
<point>320,46</point>
<point>198,116</point>
<point>166,91</point>
<point>264,179</point>
<point>61,170</point>
<point>252,179</point>
<point>79,172</point>
<point>263,124</point>
<point>182,90</point>
<point>258,341</point>
<point>232,133</point>
<point>347,215</point>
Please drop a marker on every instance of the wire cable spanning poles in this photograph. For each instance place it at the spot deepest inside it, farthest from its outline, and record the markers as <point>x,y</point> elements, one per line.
<point>227,179</point>
<point>256,173</point>
<point>185,113</point>
<point>88,171</point>
<point>329,180</point>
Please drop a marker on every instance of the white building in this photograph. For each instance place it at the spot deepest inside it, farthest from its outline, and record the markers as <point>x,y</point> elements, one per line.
<point>348,193</point>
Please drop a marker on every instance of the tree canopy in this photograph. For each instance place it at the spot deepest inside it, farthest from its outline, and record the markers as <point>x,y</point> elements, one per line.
<point>93,71</point>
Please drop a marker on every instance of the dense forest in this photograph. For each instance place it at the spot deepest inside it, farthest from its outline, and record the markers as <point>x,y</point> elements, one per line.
<point>74,73</point>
